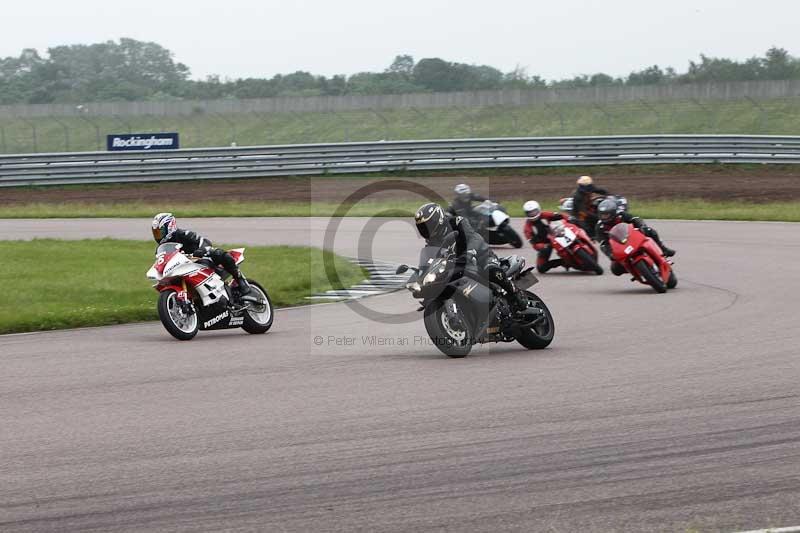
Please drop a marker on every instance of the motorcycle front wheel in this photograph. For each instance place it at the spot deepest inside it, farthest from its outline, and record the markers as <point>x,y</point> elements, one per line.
<point>258,317</point>
<point>505,234</point>
<point>589,263</point>
<point>672,282</point>
<point>513,237</point>
<point>183,326</point>
<point>650,277</point>
<point>541,333</point>
<point>449,337</point>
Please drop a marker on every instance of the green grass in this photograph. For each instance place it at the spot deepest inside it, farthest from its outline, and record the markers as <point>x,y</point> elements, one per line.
<point>64,284</point>
<point>693,209</point>
<point>778,116</point>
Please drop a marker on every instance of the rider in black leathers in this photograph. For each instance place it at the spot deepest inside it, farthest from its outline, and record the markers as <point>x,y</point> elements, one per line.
<point>435,226</point>
<point>582,204</point>
<point>462,203</point>
<point>609,215</point>
<point>165,230</point>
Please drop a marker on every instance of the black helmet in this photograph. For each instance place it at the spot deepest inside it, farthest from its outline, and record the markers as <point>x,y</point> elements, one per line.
<point>607,210</point>
<point>431,221</point>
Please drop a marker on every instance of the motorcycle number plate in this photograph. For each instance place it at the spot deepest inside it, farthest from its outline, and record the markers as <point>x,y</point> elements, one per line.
<point>565,241</point>
<point>628,250</point>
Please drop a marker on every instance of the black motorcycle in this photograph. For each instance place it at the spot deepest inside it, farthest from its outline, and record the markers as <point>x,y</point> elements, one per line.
<point>462,308</point>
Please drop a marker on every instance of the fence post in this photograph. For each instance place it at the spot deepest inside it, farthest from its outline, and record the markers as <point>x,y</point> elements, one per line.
<point>558,113</point>
<point>82,114</point>
<point>345,125</point>
<point>762,113</point>
<point>125,123</point>
<point>189,139</point>
<point>231,124</point>
<point>263,117</point>
<point>385,124</point>
<point>306,124</point>
<point>66,132</point>
<point>470,122</point>
<point>708,112</point>
<point>34,136</point>
<point>659,124</point>
<point>609,117</point>
<point>514,120</point>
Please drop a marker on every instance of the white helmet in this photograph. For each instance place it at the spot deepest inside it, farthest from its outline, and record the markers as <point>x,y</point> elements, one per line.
<point>463,190</point>
<point>532,210</point>
<point>567,204</point>
<point>622,204</point>
<point>585,181</point>
<point>164,225</point>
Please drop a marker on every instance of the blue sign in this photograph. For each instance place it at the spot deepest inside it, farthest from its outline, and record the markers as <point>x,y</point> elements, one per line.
<point>142,141</point>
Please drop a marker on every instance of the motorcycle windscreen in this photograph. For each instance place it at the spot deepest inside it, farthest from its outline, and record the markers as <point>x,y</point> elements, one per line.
<point>485,208</point>
<point>527,280</point>
<point>168,247</point>
<point>620,233</point>
<point>429,253</point>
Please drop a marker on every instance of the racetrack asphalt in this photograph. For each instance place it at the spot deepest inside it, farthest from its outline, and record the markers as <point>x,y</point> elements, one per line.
<point>648,412</point>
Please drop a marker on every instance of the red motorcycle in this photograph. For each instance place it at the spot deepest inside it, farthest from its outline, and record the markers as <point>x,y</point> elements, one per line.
<point>193,295</point>
<point>641,257</point>
<point>574,247</point>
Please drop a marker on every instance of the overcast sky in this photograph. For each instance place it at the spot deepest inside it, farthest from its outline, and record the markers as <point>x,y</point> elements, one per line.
<point>553,38</point>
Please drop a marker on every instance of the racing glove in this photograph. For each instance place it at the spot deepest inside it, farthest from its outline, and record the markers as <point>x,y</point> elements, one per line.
<point>201,252</point>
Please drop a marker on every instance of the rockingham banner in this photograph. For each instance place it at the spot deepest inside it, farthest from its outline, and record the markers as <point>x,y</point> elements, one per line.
<point>142,141</point>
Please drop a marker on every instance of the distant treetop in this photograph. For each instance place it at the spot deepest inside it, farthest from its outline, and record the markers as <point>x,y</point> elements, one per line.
<point>136,70</point>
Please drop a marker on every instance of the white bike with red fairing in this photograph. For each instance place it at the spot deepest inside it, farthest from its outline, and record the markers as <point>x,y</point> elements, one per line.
<point>193,295</point>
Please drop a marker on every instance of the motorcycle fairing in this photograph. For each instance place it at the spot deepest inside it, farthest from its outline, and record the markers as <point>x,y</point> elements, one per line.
<point>237,254</point>
<point>216,316</point>
<point>498,217</point>
<point>209,286</point>
<point>474,299</point>
<point>629,246</point>
<point>568,243</point>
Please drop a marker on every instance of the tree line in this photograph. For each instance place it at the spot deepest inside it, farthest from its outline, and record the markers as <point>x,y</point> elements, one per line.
<point>137,70</point>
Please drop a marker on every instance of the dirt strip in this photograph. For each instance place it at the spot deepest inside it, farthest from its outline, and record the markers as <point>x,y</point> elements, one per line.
<point>757,184</point>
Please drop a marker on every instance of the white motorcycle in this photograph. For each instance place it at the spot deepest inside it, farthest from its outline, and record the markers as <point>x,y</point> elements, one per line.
<point>193,295</point>
<point>494,224</point>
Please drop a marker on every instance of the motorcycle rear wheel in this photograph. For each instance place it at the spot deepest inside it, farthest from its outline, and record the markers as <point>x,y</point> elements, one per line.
<point>649,276</point>
<point>448,338</point>
<point>181,326</point>
<point>541,335</point>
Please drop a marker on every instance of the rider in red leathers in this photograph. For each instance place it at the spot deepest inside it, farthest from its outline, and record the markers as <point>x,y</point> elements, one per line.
<point>536,232</point>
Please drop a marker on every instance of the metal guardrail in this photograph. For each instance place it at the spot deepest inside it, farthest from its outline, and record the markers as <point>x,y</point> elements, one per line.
<point>343,158</point>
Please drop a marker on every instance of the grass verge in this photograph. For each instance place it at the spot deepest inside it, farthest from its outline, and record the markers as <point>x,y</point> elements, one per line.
<point>773,116</point>
<point>692,209</point>
<point>65,284</point>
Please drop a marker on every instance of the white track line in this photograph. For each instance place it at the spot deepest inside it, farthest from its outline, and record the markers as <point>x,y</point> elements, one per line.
<point>382,280</point>
<point>790,529</point>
